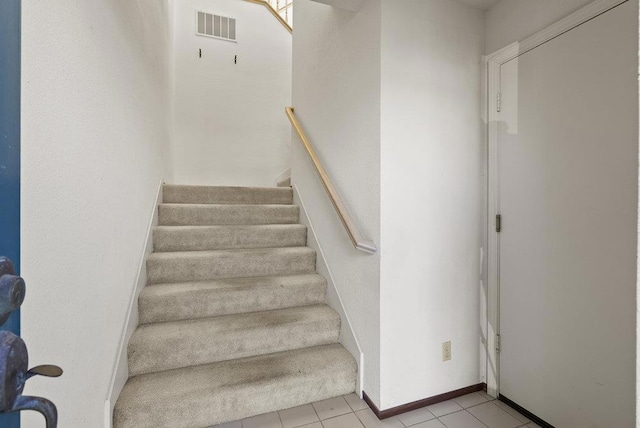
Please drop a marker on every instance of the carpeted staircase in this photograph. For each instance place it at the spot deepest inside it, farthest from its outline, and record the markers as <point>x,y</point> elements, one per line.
<point>233,321</point>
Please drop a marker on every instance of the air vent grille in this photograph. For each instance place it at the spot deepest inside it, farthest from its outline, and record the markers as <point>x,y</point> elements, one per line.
<point>220,27</point>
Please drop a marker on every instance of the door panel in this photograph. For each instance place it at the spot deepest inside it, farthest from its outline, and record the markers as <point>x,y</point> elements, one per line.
<point>10,152</point>
<point>568,197</point>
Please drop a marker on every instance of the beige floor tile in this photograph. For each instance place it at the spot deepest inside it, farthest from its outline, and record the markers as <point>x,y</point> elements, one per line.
<point>416,416</point>
<point>236,424</point>
<point>356,403</point>
<point>345,421</point>
<point>513,412</point>
<point>298,416</point>
<point>487,396</point>
<point>471,400</point>
<point>493,416</point>
<point>461,419</point>
<point>313,425</point>
<point>370,420</point>
<point>444,408</point>
<point>533,425</point>
<point>268,420</point>
<point>434,423</point>
<point>332,407</point>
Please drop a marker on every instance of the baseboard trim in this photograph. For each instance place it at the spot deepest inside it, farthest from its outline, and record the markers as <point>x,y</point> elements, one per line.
<point>525,412</point>
<point>404,408</point>
<point>120,370</point>
<point>285,176</point>
<point>348,337</point>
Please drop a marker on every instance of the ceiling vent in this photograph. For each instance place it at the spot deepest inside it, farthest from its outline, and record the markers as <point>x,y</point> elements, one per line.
<point>219,27</point>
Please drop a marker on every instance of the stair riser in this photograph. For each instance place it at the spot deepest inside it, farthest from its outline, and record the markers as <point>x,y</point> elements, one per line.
<point>226,195</point>
<point>197,267</point>
<point>209,303</point>
<point>220,397</point>
<point>207,215</point>
<point>204,346</point>
<point>228,237</point>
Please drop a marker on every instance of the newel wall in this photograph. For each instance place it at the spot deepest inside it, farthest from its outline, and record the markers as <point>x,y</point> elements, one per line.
<point>390,96</point>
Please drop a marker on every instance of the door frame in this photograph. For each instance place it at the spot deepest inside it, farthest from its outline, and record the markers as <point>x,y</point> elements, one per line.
<point>491,115</point>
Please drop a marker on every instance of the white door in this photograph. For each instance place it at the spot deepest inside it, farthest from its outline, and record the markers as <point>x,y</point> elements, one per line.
<point>568,198</point>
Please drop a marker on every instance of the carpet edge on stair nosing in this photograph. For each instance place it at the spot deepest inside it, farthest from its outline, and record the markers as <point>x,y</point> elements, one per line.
<point>326,308</point>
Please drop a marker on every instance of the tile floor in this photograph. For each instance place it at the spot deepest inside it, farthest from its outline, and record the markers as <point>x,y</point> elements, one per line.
<point>476,410</point>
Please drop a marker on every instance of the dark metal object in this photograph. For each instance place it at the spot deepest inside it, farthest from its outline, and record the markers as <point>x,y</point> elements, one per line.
<point>14,357</point>
<point>498,223</point>
<point>12,289</point>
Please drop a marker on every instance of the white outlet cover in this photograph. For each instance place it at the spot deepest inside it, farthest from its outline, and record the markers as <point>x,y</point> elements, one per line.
<point>446,351</point>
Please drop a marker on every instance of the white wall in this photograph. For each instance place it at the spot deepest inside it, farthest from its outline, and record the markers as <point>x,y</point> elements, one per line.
<point>94,127</point>
<point>352,5</point>
<point>230,126</point>
<point>514,20</point>
<point>336,95</point>
<point>432,162</point>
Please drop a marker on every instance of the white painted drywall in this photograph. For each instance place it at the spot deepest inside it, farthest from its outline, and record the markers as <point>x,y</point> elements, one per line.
<point>480,4</point>
<point>514,20</point>
<point>336,95</point>
<point>352,5</point>
<point>230,126</point>
<point>94,130</point>
<point>432,175</point>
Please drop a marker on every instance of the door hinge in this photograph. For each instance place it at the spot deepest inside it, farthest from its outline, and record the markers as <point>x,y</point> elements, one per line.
<point>499,102</point>
<point>498,343</point>
<point>498,223</point>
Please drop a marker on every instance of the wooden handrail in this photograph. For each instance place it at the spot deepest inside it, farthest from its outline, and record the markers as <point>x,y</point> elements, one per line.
<point>274,12</point>
<point>350,226</point>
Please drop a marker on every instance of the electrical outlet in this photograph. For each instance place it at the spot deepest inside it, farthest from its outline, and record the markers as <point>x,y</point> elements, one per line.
<point>446,351</point>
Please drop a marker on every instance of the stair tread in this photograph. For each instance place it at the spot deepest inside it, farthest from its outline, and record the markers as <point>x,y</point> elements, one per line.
<point>234,322</point>
<point>169,255</point>
<point>212,237</point>
<point>230,206</point>
<point>203,299</point>
<point>248,227</point>
<point>226,214</point>
<point>226,194</point>
<point>169,345</point>
<point>215,393</point>
<point>228,283</point>
<point>170,267</point>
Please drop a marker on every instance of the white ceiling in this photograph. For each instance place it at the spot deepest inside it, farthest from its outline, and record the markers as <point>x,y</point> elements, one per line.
<point>480,4</point>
